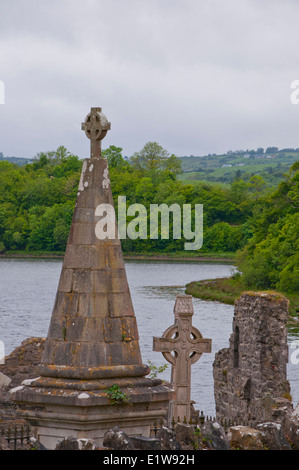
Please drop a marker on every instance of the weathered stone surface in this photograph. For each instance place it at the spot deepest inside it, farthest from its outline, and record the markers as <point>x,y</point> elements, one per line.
<point>117,439</point>
<point>282,409</point>
<point>34,444</point>
<point>145,443</point>
<point>23,361</point>
<point>209,436</point>
<point>291,428</point>
<point>250,376</point>
<point>168,439</point>
<point>245,438</point>
<point>214,436</point>
<point>79,257</point>
<point>185,434</point>
<point>70,443</point>
<point>273,437</point>
<point>4,380</point>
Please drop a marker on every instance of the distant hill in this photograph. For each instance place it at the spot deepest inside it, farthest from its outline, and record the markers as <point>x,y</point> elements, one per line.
<point>225,168</point>
<point>271,165</point>
<point>16,160</point>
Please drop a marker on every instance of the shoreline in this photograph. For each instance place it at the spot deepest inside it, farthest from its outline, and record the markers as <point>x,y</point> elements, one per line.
<point>142,257</point>
<point>226,290</point>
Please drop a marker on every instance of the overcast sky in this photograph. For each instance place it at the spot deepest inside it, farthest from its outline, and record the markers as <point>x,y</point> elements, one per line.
<point>196,76</point>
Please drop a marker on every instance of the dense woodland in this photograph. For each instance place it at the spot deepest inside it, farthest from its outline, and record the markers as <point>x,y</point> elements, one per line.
<point>258,223</point>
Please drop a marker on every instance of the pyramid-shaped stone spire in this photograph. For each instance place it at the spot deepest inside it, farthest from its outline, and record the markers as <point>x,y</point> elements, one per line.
<point>93,331</point>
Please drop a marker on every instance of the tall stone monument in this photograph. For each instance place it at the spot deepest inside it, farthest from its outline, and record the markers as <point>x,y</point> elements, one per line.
<point>92,376</point>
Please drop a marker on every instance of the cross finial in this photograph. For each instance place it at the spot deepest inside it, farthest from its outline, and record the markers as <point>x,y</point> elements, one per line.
<point>96,126</point>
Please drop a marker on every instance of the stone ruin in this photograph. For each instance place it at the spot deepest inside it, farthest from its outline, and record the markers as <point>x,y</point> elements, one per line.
<point>250,376</point>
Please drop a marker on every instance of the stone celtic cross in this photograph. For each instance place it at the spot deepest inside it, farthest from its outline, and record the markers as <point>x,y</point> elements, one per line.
<point>182,345</point>
<point>96,127</point>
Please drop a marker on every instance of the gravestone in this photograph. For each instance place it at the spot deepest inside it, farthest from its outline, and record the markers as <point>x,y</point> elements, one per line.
<point>92,377</point>
<point>182,345</point>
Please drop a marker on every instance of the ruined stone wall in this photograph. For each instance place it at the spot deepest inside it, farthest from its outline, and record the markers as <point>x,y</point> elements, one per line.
<point>250,375</point>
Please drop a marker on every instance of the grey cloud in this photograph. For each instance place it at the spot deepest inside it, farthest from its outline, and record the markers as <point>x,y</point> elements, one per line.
<point>196,76</point>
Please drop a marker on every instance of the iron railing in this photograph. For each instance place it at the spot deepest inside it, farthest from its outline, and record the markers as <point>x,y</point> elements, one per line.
<point>197,421</point>
<point>16,435</point>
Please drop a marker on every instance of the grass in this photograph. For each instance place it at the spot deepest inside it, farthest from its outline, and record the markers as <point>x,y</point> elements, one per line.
<point>183,254</point>
<point>162,255</point>
<point>227,290</point>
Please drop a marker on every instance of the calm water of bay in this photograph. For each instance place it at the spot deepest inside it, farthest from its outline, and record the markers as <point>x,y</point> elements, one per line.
<point>28,289</point>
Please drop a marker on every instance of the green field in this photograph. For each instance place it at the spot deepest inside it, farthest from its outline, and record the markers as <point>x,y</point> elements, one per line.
<point>226,168</point>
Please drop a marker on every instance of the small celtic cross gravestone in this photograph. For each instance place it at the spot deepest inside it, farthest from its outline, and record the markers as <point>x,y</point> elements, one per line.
<point>95,126</point>
<point>182,345</point>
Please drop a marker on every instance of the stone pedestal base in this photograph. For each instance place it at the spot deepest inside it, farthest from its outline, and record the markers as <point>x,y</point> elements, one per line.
<point>59,408</point>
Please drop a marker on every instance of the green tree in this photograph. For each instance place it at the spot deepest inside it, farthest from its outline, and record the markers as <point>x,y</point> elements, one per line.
<point>153,158</point>
<point>270,258</point>
<point>61,233</point>
<point>222,237</point>
<point>49,230</point>
<point>114,157</point>
<point>145,190</point>
<point>257,185</point>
